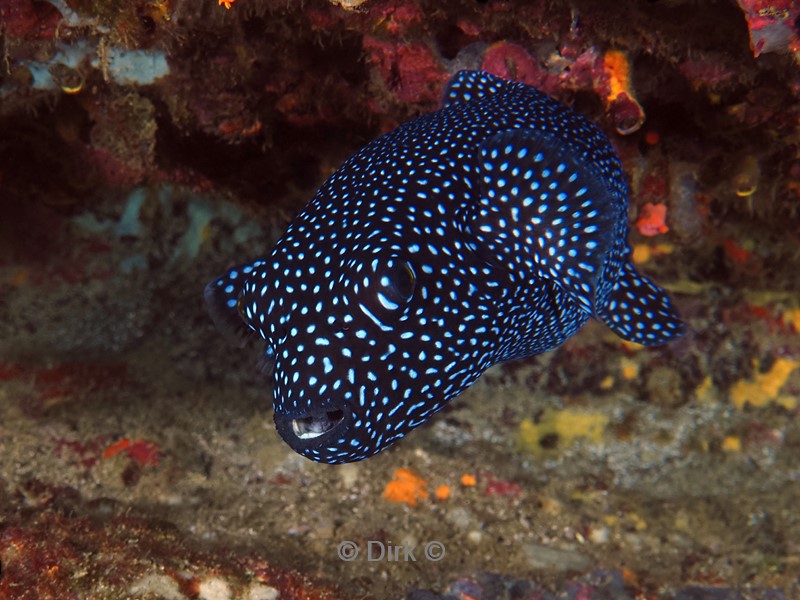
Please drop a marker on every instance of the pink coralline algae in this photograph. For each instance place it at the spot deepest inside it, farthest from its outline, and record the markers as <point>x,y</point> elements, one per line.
<point>772,25</point>
<point>144,452</point>
<point>395,18</point>
<point>709,71</point>
<point>652,219</point>
<point>29,19</point>
<point>411,72</point>
<point>511,61</point>
<point>568,68</point>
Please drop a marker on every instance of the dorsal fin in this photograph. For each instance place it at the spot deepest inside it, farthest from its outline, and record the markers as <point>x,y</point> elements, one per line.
<point>543,212</point>
<point>469,85</point>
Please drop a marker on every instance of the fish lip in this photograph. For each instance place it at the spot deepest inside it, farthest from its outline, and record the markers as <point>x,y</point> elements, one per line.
<point>313,428</point>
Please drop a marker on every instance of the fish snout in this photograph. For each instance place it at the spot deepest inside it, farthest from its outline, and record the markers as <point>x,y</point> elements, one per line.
<point>311,431</point>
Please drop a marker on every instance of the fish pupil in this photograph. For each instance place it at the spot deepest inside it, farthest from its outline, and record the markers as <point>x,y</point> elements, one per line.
<point>398,281</point>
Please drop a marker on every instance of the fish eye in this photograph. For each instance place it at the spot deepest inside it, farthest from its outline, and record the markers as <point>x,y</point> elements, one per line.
<point>396,283</point>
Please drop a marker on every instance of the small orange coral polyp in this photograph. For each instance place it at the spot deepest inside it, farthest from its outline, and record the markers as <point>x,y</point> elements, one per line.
<point>468,480</point>
<point>442,493</point>
<point>621,102</point>
<point>407,487</point>
<point>618,70</point>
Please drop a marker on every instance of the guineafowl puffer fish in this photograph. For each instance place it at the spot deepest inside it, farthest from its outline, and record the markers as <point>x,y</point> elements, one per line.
<point>489,230</point>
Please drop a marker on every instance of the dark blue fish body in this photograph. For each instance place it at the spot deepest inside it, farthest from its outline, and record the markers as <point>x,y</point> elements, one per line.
<point>489,230</point>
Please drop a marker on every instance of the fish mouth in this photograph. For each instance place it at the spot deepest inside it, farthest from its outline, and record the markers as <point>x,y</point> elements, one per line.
<point>314,426</point>
<point>311,430</point>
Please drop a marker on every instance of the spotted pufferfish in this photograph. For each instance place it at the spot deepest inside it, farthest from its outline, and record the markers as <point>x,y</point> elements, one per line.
<point>487,231</point>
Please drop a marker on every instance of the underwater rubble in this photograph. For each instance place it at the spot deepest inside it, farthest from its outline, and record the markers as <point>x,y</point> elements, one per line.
<point>146,144</point>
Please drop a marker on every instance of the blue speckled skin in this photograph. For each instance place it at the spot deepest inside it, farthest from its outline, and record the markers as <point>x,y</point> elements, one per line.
<point>489,230</point>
